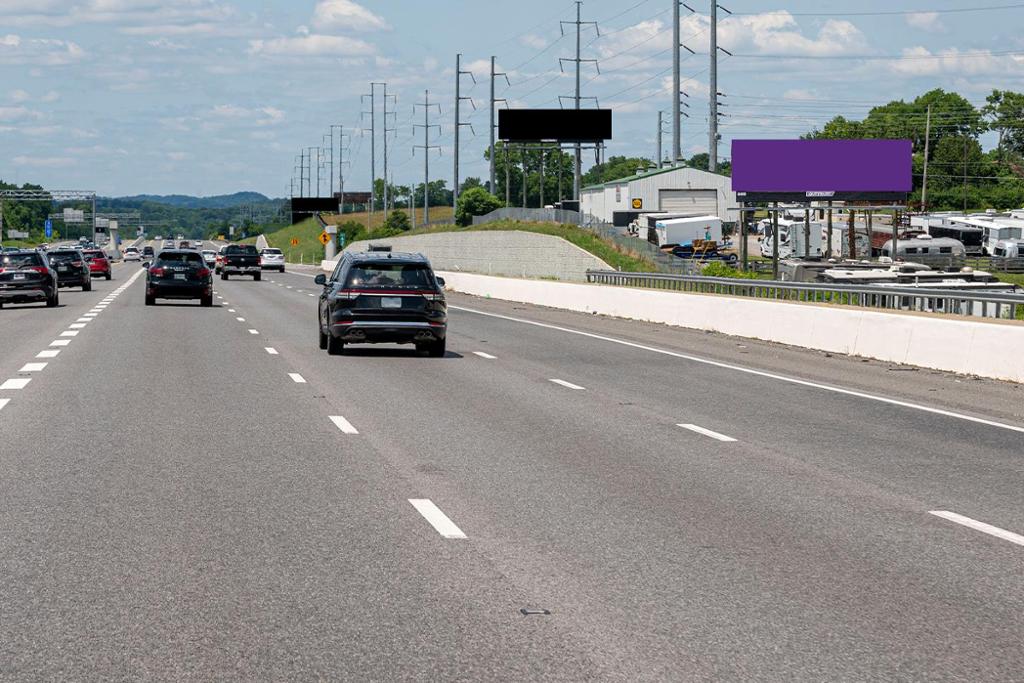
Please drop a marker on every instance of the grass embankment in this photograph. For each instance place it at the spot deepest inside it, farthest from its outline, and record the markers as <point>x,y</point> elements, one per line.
<point>309,250</point>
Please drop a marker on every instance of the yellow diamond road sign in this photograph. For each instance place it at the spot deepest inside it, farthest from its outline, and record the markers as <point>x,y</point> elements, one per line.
<point>324,238</point>
<point>295,241</point>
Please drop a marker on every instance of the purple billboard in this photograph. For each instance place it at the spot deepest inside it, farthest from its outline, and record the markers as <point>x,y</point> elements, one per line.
<point>822,168</point>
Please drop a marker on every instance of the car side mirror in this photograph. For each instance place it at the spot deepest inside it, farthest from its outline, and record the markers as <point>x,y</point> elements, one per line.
<point>440,282</point>
<point>320,279</point>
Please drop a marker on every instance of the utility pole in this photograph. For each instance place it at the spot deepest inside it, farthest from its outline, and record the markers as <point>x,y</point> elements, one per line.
<point>330,176</point>
<point>373,148</point>
<point>426,147</point>
<point>578,171</point>
<point>658,157</point>
<point>341,164</point>
<point>713,89</point>
<point>386,131</point>
<point>459,73</point>
<point>494,125</point>
<point>927,139</point>
<point>676,89</point>
<point>309,169</point>
<point>508,178</point>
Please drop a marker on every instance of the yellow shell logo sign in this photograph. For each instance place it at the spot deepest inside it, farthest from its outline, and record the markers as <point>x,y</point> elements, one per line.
<point>638,203</point>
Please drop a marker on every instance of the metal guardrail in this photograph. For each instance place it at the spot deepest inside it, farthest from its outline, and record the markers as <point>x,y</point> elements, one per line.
<point>954,302</point>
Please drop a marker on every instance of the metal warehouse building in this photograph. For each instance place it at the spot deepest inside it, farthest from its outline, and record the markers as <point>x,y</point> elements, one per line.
<point>673,190</point>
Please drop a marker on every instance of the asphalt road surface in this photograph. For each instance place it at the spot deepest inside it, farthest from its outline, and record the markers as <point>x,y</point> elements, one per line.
<point>203,494</point>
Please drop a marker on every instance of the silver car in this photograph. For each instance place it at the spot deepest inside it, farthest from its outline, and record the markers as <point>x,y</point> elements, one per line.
<point>210,256</point>
<point>272,259</point>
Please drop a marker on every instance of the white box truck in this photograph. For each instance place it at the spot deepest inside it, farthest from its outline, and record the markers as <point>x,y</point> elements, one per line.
<point>681,230</point>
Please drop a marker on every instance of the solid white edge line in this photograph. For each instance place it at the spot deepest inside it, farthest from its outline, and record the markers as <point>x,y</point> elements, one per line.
<point>271,350</point>
<point>979,526</point>
<point>752,371</point>
<point>706,432</point>
<point>343,424</point>
<point>567,385</point>
<point>3,402</point>
<point>16,383</point>
<point>32,367</point>
<point>440,521</point>
<point>297,378</point>
<point>485,355</point>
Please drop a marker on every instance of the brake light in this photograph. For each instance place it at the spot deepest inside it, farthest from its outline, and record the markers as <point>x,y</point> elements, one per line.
<point>76,264</point>
<point>433,297</point>
<point>158,272</point>
<point>203,272</point>
<point>38,269</point>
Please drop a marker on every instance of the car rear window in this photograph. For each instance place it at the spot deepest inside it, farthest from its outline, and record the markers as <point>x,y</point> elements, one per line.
<point>22,260</point>
<point>271,251</point>
<point>390,276</point>
<point>183,257</point>
<point>65,256</point>
<point>95,254</point>
<point>241,249</point>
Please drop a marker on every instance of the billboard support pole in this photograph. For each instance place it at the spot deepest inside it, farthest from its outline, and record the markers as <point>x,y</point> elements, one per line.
<point>851,234</point>
<point>775,240</point>
<point>828,247</point>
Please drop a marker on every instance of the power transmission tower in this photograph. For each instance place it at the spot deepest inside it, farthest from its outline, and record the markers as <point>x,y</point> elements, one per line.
<point>459,73</point>
<point>713,93</point>
<point>426,147</point>
<point>373,143</point>
<point>309,169</point>
<point>341,164</point>
<point>578,171</point>
<point>661,131</point>
<point>677,90</point>
<point>494,101</point>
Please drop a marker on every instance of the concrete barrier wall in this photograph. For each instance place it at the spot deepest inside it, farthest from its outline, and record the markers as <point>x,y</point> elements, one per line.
<point>986,349</point>
<point>511,253</point>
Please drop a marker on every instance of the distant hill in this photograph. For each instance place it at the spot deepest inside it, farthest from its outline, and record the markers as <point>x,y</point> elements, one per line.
<point>224,201</point>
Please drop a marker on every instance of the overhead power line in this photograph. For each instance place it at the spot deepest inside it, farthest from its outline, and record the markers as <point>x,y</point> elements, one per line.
<point>891,13</point>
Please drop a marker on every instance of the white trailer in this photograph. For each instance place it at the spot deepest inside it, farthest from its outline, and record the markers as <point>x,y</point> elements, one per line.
<point>791,239</point>
<point>680,230</point>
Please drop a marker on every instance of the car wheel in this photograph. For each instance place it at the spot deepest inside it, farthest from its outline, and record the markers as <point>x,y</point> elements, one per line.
<point>282,269</point>
<point>150,300</point>
<point>436,349</point>
<point>53,301</point>
<point>206,301</point>
<point>321,336</point>
<point>257,277</point>
<point>335,347</point>
<point>223,276</point>
<point>87,287</point>
<point>107,276</point>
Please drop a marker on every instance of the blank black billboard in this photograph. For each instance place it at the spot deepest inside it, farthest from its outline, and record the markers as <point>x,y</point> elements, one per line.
<point>561,125</point>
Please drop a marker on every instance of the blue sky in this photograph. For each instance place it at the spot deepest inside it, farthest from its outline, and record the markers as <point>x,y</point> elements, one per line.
<point>215,96</point>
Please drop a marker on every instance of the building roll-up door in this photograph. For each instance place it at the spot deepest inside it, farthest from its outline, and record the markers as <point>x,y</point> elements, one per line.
<point>688,201</point>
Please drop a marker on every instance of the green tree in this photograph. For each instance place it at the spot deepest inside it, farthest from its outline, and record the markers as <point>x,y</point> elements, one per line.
<point>510,158</point>
<point>1004,113</point>
<point>476,201</point>
<point>615,168</point>
<point>397,220</point>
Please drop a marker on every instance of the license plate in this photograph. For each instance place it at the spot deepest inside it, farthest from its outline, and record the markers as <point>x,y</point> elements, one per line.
<point>179,276</point>
<point>391,302</point>
<point>18,276</point>
<point>62,269</point>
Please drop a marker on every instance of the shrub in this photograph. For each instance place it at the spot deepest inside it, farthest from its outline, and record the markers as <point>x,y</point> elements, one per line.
<point>475,201</point>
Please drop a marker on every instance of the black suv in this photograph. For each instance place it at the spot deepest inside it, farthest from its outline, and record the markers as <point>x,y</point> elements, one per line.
<point>72,268</point>
<point>27,276</point>
<point>179,274</point>
<point>374,297</point>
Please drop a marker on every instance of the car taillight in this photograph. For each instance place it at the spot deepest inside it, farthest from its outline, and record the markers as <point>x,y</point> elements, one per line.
<point>158,272</point>
<point>433,297</point>
<point>203,272</point>
<point>38,269</point>
<point>76,264</point>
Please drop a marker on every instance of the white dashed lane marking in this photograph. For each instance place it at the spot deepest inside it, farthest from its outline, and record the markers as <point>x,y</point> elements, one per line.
<point>706,432</point>
<point>484,355</point>
<point>567,385</point>
<point>49,353</point>
<point>16,383</point>
<point>343,424</point>
<point>271,350</point>
<point>32,367</point>
<point>60,342</point>
<point>440,521</point>
<point>3,402</point>
<point>253,332</point>
<point>297,378</point>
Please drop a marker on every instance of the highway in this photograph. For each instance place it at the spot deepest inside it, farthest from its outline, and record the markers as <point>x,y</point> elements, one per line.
<point>190,493</point>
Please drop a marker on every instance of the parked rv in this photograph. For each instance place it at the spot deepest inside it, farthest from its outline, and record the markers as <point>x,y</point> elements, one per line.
<point>1008,249</point>
<point>924,246</point>
<point>791,239</point>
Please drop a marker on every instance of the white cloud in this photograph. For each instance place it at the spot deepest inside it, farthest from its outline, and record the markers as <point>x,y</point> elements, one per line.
<point>39,51</point>
<point>534,42</point>
<point>310,45</point>
<point>261,116</point>
<point>919,61</point>
<point>177,156</point>
<point>165,44</point>
<point>130,14</point>
<point>19,114</point>
<point>20,96</point>
<point>347,15</point>
<point>925,21</point>
<point>43,162</point>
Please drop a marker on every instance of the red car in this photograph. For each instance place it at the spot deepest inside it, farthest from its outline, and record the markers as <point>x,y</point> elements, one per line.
<point>99,264</point>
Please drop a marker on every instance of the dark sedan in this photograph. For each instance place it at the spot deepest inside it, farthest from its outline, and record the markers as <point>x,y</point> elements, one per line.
<point>26,276</point>
<point>179,274</point>
<point>376,298</point>
<point>72,268</point>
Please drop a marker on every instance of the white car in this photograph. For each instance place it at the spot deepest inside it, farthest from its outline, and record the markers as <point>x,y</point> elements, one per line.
<point>210,256</point>
<point>132,254</point>
<point>272,259</point>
